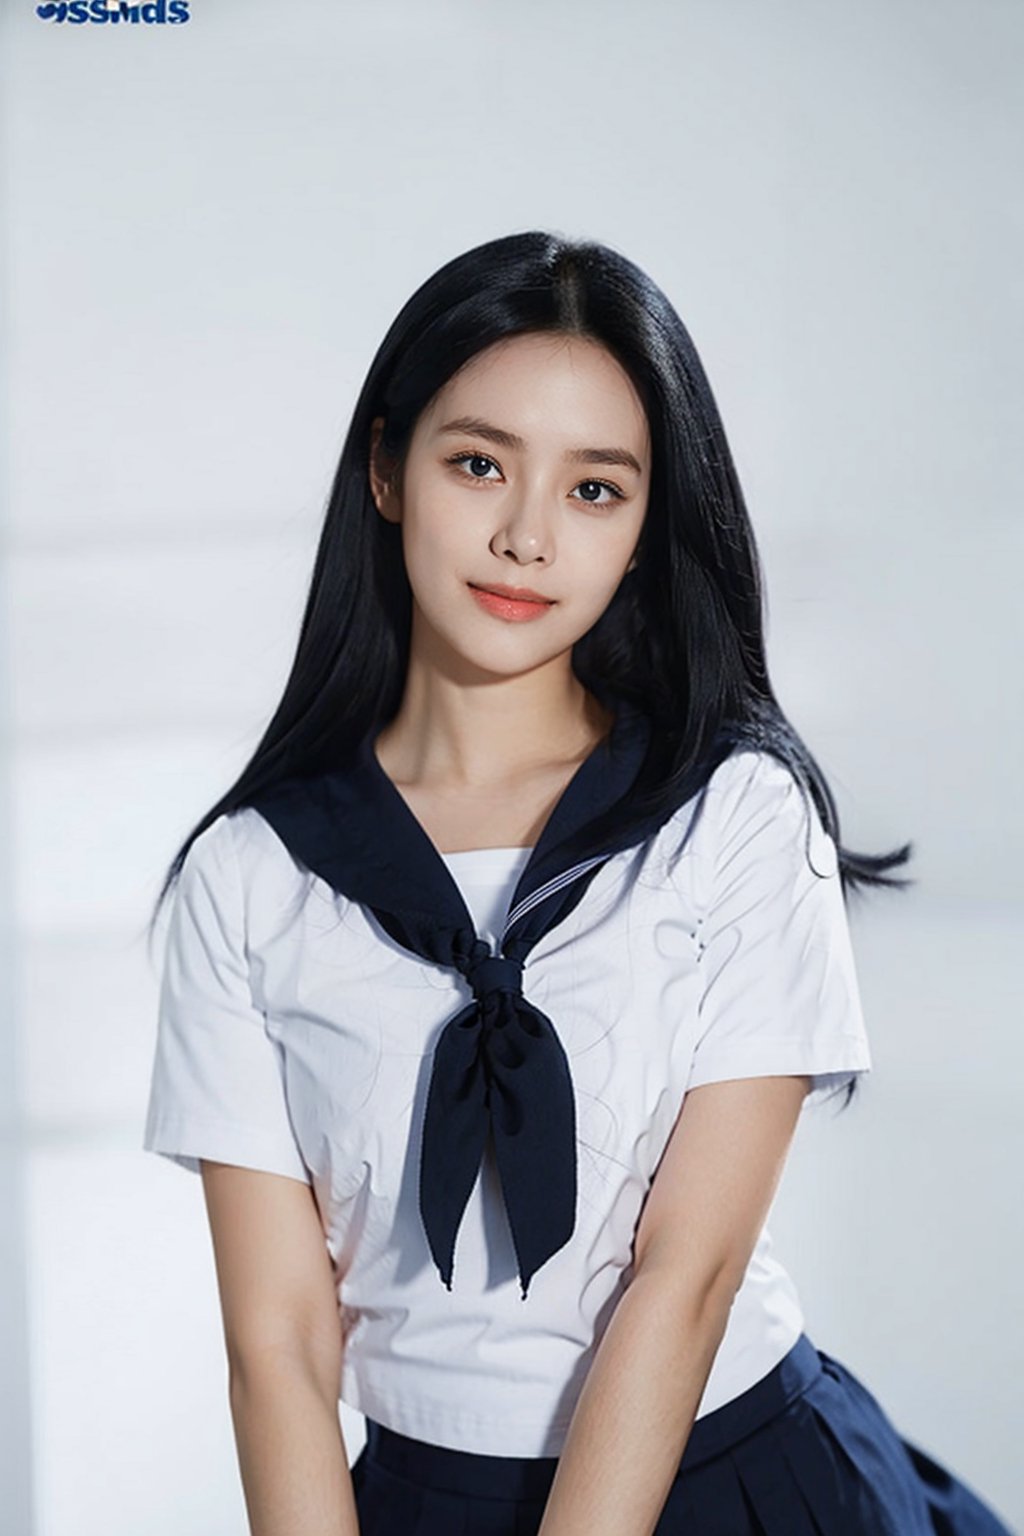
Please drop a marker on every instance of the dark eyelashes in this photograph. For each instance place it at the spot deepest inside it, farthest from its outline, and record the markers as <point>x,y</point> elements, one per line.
<point>461,458</point>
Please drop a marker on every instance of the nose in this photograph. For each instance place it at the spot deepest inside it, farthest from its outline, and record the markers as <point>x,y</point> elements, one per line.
<point>525,532</point>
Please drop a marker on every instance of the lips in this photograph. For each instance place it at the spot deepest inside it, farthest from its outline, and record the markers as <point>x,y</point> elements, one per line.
<point>512,610</point>
<point>516,594</point>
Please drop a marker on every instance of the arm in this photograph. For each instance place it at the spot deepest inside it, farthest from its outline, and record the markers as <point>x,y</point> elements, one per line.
<point>704,1211</point>
<point>284,1347</point>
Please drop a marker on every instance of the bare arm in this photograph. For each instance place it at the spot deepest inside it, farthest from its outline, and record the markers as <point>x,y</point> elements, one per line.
<point>706,1206</point>
<point>284,1348</point>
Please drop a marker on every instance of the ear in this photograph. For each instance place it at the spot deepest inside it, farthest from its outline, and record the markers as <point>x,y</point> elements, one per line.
<point>382,484</point>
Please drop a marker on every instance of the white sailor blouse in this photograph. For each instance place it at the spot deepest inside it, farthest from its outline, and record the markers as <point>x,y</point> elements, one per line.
<point>301,1030</point>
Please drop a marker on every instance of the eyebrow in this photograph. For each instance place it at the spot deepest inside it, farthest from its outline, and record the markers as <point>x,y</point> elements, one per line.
<point>503,439</point>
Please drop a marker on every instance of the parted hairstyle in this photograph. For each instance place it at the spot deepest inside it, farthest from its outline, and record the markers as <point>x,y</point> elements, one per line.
<point>683,635</point>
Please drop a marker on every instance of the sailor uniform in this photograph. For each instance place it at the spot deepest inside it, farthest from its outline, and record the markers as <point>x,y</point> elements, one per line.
<point>476,1061</point>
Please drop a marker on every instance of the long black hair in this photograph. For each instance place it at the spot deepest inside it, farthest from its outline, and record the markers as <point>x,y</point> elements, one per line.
<point>683,636</point>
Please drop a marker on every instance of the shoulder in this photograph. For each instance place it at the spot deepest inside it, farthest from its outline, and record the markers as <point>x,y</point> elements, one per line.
<point>239,857</point>
<point>238,842</point>
<point>749,779</point>
<point>764,813</point>
<point>752,776</point>
<point>755,809</point>
<point>210,859</point>
<point>275,890</point>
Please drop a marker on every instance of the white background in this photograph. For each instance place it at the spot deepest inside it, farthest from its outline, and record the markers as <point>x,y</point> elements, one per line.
<point>208,229</point>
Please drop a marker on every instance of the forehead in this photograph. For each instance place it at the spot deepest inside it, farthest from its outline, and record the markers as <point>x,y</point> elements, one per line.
<point>546,386</point>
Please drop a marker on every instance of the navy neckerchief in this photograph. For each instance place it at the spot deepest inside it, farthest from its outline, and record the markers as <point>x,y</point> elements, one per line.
<point>498,1063</point>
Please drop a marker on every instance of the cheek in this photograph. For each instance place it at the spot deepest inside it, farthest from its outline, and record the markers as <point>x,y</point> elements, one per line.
<point>600,564</point>
<point>431,546</point>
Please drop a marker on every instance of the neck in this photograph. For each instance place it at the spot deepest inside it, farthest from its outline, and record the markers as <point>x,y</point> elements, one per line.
<point>489,733</point>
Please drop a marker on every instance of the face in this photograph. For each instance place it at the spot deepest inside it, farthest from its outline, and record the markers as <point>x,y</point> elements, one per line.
<point>529,469</point>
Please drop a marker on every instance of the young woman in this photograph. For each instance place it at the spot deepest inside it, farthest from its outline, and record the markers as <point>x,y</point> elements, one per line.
<point>495,986</point>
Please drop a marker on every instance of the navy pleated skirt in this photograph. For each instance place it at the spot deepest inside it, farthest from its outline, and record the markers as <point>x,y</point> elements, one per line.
<point>805,1451</point>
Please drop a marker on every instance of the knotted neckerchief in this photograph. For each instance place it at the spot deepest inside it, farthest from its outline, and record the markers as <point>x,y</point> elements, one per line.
<point>498,1062</point>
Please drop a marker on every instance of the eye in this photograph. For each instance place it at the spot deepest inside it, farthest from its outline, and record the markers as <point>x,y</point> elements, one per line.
<point>601,485</point>
<point>474,459</point>
<point>477,459</point>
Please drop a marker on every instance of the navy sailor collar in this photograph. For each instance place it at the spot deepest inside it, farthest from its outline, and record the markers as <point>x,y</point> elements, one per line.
<point>498,1064</point>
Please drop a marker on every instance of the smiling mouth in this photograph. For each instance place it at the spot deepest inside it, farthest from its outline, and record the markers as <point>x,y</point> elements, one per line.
<point>513,610</point>
<point>513,594</point>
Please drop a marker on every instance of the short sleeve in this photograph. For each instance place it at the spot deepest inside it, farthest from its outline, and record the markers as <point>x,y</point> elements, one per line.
<point>217,1089</point>
<point>779,994</point>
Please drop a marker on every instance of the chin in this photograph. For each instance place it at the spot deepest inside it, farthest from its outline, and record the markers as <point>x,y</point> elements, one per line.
<point>511,655</point>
